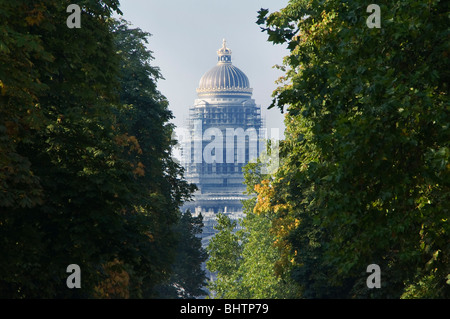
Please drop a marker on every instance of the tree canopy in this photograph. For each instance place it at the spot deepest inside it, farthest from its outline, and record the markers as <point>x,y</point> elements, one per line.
<point>365,173</point>
<point>244,260</point>
<point>364,166</point>
<point>86,175</point>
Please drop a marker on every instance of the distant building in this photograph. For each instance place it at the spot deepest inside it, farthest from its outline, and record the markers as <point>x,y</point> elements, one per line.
<point>223,131</point>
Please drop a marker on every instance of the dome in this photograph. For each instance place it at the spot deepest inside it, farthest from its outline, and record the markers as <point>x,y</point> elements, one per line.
<point>224,79</point>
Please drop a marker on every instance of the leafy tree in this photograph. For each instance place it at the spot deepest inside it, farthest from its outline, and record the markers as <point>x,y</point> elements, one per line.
<point>260,253</point>
<point>259,266</point>
<point>19,112</point>
<point>142,125</point>
<point>81,180</point>
<point>224,253</point>
<point>365,177</point>
<point>188,278</point>
<point>245,260</point>
<point>69,149</point>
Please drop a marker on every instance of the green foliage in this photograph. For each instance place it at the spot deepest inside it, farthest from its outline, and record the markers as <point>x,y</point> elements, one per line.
<point>224,253</point>
<point>258,259</point>
<point>67,150</point>
<point>428,287</point>
<point>366,162</point>
<point>85,170</point>
<point>187,278</point>
<point>143,129</point>
<point>244,260</point>
<point>19,112</point>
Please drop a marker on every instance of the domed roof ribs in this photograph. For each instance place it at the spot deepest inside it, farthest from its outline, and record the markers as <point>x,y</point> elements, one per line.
<point>237,76</point>
<point>224,78</point>
<point>230,79</point>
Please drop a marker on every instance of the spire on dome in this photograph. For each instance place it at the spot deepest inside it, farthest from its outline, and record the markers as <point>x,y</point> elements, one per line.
<point>224,53</point>
<point>224,44</point>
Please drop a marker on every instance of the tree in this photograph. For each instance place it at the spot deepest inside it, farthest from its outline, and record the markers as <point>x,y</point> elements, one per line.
<point>224,253</point>
<point>261,253</point>
<point>187,277</point>
<point>142,124</point>
<point>245,260</point>
<point>71,176</point>
<point>81,179</point>
<point>366,156</point>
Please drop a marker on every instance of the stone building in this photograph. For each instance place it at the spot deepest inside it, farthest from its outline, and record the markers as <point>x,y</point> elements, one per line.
<point>224,134</point>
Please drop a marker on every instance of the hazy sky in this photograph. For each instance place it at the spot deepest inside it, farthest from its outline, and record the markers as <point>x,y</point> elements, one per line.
<point>186,35</point>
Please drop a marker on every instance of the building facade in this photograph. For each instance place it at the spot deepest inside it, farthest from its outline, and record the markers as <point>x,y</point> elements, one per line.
<point>224,134</point>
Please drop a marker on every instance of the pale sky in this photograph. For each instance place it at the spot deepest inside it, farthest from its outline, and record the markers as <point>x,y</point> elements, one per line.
<point>186,35</point>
